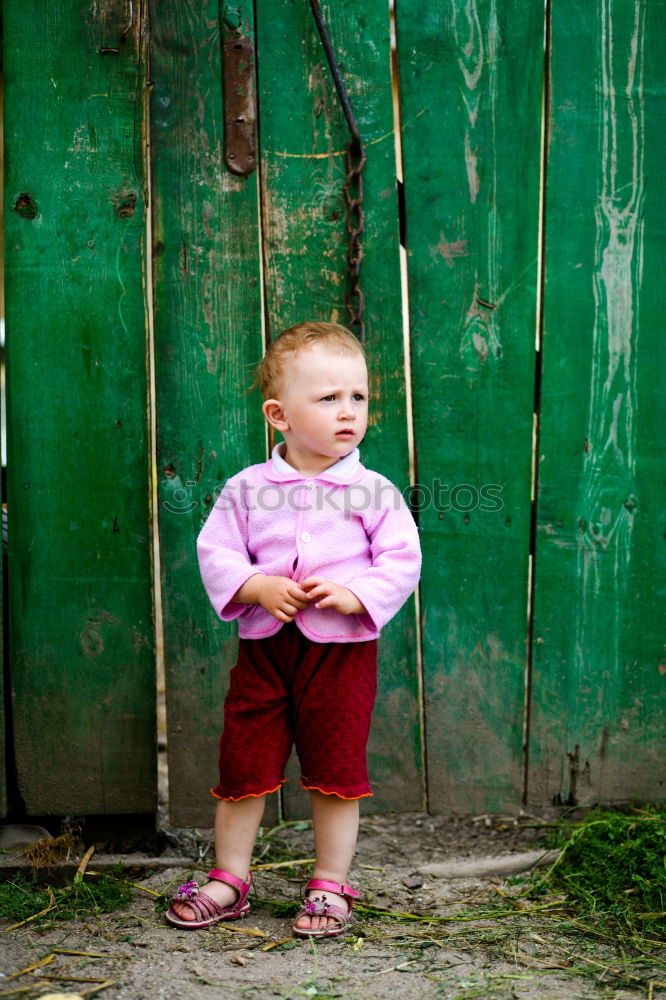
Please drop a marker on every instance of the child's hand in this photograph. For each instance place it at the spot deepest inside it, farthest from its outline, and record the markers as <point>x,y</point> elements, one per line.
<point>326,594</point>
<point>282,597</point>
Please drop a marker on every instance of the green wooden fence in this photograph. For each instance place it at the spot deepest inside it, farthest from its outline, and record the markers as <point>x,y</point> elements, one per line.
<point>81,647</point>
<point>143,280</point>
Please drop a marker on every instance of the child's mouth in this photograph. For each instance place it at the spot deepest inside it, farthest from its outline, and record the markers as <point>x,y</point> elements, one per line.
<point>348,432</point>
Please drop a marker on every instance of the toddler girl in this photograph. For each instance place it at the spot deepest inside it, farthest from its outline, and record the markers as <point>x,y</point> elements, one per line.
<point>313,554</point>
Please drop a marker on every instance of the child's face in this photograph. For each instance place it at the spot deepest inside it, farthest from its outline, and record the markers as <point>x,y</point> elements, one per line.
<point>324,406</point>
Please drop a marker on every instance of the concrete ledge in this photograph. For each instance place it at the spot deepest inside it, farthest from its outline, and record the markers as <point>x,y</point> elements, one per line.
<point>134,866</point>
<point>506,864</point>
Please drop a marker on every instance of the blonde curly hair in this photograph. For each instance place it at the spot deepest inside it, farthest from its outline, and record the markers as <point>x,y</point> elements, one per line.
<point>270,369</point>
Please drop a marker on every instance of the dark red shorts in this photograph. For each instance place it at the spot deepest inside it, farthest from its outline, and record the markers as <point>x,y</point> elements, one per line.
<point>287,690</point>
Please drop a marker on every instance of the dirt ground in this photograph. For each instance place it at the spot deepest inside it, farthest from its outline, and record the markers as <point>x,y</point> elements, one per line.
<point>512,954</point>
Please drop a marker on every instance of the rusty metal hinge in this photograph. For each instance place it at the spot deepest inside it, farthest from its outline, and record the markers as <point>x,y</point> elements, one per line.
<point>240,105</point>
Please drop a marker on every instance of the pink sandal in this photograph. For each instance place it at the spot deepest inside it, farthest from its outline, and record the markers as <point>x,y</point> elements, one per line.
<point>318,906</point>
<point>207,911</point>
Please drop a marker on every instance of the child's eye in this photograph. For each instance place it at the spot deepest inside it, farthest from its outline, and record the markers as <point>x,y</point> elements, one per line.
<point>359,397</point>
<point>327,399</point>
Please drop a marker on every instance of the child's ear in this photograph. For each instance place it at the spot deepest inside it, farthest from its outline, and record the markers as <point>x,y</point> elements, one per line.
<point>274,413</point>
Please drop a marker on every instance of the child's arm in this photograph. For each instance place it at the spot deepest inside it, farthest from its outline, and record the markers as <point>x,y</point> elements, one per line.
<point>393,540</point>
<point>279,595</point>
<point>229,575</point>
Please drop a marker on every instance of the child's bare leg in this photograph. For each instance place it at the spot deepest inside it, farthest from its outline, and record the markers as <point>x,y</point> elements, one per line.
<point>236,828</point>
<point>335,823</point>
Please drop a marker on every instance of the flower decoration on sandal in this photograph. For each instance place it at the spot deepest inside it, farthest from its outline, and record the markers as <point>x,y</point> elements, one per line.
<point>316,906</point>
<point>188,890</point>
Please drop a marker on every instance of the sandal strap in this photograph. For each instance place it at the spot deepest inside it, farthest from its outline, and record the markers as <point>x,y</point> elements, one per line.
<point>218,875</point>
<point>343,917</point>
<point>341,888</point>
<point>207,911</point>
<point>204,907</point>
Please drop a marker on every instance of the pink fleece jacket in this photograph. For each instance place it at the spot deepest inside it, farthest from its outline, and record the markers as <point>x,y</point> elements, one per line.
<point>348,524</point>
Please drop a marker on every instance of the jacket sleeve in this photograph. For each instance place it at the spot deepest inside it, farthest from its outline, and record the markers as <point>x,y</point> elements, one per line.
<point>394,574</point>
<point>222,549</point>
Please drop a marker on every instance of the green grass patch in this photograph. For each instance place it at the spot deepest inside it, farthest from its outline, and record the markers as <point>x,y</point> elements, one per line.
<point>22,898</point>
<point>612,868</point>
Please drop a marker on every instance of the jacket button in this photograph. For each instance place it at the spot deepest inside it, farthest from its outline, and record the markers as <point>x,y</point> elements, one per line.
<point>306,536</point>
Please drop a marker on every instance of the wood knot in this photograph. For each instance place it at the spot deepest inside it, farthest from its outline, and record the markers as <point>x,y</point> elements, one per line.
<point>124,204</point>
<point>26,206</point>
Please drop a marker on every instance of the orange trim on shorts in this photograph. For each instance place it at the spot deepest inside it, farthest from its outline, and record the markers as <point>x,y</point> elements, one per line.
<point>347,798</point>
<point>250,795</point>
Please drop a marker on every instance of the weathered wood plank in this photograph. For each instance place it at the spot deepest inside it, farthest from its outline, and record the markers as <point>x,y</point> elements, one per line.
<point>600,671</point>
<point>208,339</point>
<point>81,634</point>
<point>3,721</point>
<point>303,169</point>
<point>470,78</point>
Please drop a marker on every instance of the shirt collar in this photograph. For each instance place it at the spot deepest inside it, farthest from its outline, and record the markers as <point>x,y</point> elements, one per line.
<point>346,470</point>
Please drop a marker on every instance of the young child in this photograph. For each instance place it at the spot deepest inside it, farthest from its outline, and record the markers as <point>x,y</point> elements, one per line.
<point>313,554</point>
